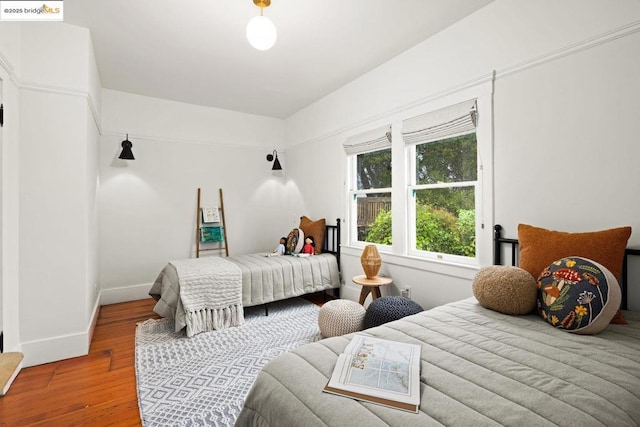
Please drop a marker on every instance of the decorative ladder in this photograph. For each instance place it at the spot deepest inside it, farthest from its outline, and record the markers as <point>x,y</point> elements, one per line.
<point>199,224</point>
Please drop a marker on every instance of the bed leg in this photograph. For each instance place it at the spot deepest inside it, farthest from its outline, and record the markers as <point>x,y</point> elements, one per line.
<point>266,309</point>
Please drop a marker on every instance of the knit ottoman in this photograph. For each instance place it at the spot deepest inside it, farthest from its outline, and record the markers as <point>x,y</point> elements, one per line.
<point>386,309</point>
<point>339,317</point>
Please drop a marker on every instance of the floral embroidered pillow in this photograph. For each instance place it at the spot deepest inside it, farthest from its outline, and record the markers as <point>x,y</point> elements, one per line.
<point>295,241</point>
<point>578,295</point>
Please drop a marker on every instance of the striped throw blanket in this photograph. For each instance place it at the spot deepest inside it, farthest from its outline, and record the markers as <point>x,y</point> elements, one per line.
<point>210,293</point>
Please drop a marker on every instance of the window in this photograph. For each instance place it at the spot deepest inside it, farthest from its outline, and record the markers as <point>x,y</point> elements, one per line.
<point>442,197</point>
<point>431,174</point>
<point>373,197</point>
<point>370,186</point>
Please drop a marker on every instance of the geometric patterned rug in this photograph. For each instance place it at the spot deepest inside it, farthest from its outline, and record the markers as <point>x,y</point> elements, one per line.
<point>204,380</point>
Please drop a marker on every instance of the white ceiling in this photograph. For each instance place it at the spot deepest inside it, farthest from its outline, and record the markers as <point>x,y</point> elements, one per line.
<point>196,51</point>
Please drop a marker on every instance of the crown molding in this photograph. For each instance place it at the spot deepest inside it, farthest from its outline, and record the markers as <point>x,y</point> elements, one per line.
<point>59,90</point>
<point>571,49</point>
<point>8,67</point>
<point>25,85</point>
<point>4,63</point>
<point>173,140</point>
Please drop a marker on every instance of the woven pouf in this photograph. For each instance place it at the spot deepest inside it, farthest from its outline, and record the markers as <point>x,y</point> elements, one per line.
<point>339,317</point>
<point>386,309</point>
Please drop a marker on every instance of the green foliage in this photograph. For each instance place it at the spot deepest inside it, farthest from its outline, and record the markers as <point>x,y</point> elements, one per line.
<point>439,230</point>
<point>448,160</point>
<point>449,199</point>
<point>380,230</point>
<point>466,226</point>
<point>374,169</point>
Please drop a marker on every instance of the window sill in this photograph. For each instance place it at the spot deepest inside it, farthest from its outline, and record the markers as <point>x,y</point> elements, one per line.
<point>463,271</point>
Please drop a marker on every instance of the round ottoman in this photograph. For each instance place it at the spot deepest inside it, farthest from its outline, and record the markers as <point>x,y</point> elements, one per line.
<point>386,309</point>
<point>339,317</point>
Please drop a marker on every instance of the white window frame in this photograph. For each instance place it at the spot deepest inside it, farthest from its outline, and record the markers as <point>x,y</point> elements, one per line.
<point>411,210</point>
<point>353,201</point>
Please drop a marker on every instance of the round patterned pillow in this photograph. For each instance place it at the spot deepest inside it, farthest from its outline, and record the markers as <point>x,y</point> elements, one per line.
<point>295,241</point>
<point>578,295</point>
<point>505,289</point>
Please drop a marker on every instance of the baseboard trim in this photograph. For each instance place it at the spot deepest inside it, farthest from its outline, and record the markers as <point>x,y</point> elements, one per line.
<point>125,294</point>
<point>61,347</point>
<point>56,348</point>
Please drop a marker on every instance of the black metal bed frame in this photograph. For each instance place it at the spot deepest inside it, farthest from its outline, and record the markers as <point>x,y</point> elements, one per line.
<point>499,242</point>
<point>332,240</point>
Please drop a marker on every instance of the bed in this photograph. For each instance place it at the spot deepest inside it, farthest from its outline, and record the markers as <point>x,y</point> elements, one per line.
<point>479,367</point>
<point>227,284</point>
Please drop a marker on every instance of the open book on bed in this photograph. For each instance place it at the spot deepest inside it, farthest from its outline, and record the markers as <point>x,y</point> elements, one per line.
<point>378,371</point>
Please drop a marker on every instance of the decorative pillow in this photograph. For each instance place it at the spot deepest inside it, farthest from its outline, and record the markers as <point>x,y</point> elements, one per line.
<point>508,290</point>
<point>540,247</point>
<point>315,229</point>
<point>578,295</point>
<point>295,241</point>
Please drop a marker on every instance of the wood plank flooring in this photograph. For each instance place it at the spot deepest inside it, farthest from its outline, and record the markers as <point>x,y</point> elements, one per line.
<point>94,390</point>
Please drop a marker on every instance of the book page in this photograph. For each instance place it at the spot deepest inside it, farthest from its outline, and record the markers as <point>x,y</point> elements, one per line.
<point>379,368</point>
<point>210,214</point>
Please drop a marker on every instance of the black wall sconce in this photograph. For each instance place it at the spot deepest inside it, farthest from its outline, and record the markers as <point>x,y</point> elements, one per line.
<point>1,115</point>
<point>126,154</point>
<point>276,162</point>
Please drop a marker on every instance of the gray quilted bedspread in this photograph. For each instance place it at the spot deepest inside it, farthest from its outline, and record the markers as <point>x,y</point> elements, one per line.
<point>478,368</point>
<point>264,280</point>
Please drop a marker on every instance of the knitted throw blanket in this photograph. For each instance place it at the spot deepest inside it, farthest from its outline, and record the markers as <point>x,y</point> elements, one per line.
<point>211,293</point>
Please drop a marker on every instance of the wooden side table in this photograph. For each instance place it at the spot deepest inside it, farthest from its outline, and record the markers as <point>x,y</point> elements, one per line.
<point>370,286</point>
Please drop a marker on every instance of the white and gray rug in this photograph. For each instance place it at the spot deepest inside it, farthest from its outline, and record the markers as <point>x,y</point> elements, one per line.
<point>203,380</point>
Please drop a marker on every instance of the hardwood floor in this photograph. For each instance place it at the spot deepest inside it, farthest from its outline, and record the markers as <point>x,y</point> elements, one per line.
<point>94,390</point>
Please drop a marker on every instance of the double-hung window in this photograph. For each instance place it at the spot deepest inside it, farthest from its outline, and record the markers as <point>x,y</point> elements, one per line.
<point>370,186</point>
<point>442,154</point>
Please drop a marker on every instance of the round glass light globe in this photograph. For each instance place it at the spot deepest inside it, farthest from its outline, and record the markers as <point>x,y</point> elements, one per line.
<point>261,33</point>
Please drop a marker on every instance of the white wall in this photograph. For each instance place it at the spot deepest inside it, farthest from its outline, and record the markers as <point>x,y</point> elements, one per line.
<point>9,44</point>
<point>565,71</point>
<point>57,174</point>
<point>9,37</point>
<point>148,205</point>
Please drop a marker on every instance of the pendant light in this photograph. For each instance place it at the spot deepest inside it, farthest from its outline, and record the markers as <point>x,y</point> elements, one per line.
<point>261,32</point>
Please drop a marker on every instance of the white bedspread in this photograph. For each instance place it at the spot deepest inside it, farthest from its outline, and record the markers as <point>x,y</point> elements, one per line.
<point>210,294</point>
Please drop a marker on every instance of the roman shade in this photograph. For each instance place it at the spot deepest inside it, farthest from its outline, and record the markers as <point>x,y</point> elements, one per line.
<point>376,139</point>
<point>458,119</point>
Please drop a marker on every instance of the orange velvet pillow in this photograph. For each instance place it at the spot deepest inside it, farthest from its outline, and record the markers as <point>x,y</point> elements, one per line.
<point>316,229</point>
<point>540,247</point>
